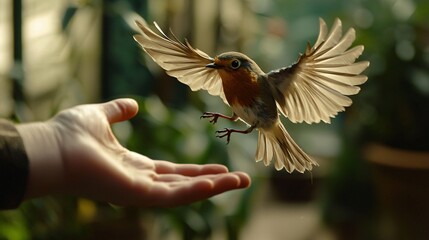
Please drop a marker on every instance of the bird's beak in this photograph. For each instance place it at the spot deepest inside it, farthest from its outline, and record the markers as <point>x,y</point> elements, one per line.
<point>213,65</point>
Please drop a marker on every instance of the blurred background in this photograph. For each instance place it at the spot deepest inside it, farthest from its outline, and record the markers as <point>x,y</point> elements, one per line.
<point>373,178</point>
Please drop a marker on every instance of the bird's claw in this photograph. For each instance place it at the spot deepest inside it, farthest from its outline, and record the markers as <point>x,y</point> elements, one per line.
<point>213,116</point>
<point>225,133</point>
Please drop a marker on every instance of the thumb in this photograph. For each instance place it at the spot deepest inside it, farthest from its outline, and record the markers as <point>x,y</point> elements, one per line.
<point>120,109</point>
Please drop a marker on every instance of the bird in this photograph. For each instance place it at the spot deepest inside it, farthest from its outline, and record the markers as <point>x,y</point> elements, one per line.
<point>313,89</point>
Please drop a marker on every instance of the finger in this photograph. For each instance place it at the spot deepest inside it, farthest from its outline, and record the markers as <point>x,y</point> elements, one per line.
<point>177,179</point>
<point>120,109</point>
<point>198,189</point>
<point>165,167</point>
<point>245,180</point>
<point>174,179</point>
<point>204,188</point>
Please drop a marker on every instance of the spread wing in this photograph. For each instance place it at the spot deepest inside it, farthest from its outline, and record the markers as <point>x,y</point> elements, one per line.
<point>315,88</point>
<point>180,60</point>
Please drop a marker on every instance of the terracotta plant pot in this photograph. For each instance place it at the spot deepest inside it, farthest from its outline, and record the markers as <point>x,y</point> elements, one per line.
<point>401,181</point>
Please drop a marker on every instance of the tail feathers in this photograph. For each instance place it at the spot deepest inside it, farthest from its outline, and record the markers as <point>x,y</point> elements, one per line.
<point>276,142</point>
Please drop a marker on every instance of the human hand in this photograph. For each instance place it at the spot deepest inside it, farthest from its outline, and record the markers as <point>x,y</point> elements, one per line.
<point>76,153</point>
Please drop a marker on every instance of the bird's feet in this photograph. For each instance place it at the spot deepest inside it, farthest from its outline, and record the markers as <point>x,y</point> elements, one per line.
<point>214,117</point>
<point>227,133</point>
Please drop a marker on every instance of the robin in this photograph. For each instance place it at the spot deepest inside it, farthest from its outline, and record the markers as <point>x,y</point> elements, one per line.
<point>311,90</point>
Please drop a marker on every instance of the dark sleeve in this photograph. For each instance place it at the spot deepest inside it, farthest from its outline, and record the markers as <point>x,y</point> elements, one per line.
<point>13,166</point>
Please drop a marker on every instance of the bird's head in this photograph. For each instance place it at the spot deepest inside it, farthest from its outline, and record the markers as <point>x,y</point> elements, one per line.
<point>235,63</point>
<point>240,77</point>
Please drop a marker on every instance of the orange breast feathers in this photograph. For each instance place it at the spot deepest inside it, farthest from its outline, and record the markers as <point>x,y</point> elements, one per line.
<point>240,86</point>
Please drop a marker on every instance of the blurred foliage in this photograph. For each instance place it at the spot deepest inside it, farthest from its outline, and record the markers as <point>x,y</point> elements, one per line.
<point>171,134</point>
<point>395,99</point>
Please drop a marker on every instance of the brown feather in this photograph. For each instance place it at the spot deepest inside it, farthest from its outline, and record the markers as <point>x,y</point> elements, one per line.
<point>243,80</point>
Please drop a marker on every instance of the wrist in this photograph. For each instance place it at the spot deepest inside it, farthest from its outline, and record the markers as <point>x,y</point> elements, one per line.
<point>45,163</point>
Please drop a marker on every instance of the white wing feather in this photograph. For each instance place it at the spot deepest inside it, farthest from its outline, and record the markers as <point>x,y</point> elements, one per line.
<point>316,87</point>
<point>180,60</point>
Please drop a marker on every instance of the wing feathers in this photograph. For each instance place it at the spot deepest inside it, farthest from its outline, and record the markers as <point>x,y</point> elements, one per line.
<point>316,87</point>
<point>347,57</point>
<point>343,45</point>
<point>322,33</point>
<point>346,70</point>
<point>333,36</point>
<point>180,60</point>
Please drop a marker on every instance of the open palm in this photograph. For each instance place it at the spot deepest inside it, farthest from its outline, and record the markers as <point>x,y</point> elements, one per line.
<point>93,163</point>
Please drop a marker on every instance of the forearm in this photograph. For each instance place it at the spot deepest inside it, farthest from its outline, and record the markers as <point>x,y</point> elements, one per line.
<point>45,165</point>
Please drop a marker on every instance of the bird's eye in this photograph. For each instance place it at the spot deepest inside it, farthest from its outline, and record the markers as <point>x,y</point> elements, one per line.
<point>235,64</point>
